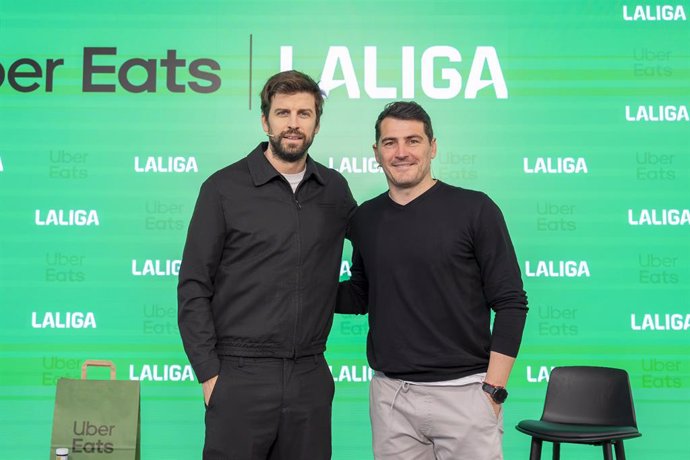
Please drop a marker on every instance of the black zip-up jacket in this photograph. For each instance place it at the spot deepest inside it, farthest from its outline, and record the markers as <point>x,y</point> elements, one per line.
<point>261,265</point>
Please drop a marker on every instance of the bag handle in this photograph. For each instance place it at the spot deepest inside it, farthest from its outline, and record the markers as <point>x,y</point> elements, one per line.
<point>98,363</point>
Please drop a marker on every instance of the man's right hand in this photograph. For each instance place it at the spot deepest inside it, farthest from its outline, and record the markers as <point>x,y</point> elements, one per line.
<point>208,387</point>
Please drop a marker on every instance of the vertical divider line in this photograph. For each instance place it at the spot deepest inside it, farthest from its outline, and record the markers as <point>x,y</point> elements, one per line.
<point>250,69</point>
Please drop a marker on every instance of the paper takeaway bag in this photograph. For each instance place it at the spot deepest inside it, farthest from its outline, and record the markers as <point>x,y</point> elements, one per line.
<point>97,419</point>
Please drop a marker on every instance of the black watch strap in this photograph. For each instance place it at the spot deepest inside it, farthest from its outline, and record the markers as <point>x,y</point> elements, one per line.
<point>498,394</point>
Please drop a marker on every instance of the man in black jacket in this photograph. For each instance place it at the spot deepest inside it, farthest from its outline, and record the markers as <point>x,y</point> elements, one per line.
<point>258,283</point>
<point>430,262</point>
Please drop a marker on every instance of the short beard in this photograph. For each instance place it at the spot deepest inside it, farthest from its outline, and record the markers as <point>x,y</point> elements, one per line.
<point>289,156</point>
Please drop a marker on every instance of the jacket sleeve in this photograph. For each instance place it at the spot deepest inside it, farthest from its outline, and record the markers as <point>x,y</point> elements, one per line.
<point>353,295</point>
<point>501,279</point>
<point>201,257</point>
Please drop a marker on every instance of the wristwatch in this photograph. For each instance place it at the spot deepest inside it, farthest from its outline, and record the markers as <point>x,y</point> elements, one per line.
<point>498,394</point>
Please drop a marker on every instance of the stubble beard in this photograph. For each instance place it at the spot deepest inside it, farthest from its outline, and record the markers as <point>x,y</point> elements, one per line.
<point>290,155</point>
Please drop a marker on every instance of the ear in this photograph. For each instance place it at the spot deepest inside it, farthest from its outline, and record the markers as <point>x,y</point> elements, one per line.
<point>376,153</point>
<point>264,124</point>
<point>433,148</point>
<point>316,129</point>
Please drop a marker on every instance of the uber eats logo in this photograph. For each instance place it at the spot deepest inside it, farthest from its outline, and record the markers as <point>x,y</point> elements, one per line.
<point>92,438</point>
<point>104,72</point>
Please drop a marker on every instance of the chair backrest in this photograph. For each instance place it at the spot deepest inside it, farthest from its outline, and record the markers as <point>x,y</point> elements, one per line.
<point>589,395</point>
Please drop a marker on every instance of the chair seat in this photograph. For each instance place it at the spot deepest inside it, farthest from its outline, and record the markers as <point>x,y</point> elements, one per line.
<point>585,434</point>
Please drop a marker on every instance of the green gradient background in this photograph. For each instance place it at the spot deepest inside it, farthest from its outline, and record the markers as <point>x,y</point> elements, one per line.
<point>570,71</point>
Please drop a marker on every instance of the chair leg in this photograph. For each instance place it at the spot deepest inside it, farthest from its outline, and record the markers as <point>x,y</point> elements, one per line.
<point>620,451</point>
<point>608,453</point>
<point>556,451</point>
<point>535,450</point>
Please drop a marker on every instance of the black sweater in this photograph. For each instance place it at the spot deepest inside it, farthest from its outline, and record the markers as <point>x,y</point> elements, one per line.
<point>428,273</point>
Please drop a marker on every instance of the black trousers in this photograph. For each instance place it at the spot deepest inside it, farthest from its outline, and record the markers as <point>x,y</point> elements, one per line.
<point>270,409</point>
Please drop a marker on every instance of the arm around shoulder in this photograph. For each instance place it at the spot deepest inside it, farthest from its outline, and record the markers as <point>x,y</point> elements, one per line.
<point>353,295</point>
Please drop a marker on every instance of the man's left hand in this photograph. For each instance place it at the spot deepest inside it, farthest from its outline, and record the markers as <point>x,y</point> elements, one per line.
<point>496,407</point>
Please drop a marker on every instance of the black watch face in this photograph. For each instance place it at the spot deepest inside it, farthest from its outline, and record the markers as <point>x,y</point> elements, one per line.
<point>500,395</point>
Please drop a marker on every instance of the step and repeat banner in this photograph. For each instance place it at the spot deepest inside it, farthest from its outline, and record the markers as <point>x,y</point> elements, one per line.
<point>571,115</point>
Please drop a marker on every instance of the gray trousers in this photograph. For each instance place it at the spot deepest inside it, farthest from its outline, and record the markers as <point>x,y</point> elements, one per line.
<point>423,422</point>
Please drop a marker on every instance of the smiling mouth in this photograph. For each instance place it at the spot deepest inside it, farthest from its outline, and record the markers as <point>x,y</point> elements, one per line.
<point>293,135</point>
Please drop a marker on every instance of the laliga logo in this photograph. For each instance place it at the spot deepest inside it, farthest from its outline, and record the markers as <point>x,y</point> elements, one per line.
<point>104,71</point>
<point>654,13</point>
<point>339,61</point>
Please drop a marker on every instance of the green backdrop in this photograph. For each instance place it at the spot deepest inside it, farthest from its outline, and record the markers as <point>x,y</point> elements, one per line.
<point>571,115</point>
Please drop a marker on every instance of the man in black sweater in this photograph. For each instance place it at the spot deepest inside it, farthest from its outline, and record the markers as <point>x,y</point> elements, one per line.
<point>430,262</point>
<point>258,283</point>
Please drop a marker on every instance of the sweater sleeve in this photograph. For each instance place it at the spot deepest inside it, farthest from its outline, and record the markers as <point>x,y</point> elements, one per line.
<point>501,279</point>
<point>202,254</point>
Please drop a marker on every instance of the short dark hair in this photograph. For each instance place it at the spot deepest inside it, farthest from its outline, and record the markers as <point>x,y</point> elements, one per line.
<point>403,110</point>
<point>291,82</point>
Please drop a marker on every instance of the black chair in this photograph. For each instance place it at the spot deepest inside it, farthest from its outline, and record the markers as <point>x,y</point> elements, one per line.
<point>584,405</point>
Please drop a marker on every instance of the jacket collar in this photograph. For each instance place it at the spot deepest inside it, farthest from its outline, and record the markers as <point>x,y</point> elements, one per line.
<point>262,171</point>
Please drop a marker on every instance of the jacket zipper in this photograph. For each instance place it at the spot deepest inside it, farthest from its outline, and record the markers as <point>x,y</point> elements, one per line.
<point>298,293</point>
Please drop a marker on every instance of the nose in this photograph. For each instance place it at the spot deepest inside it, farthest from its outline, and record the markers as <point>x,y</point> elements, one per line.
<point>400,151</point>
<point>293,121</point>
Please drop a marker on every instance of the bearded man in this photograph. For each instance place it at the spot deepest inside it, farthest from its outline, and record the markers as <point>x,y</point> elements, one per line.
<point>258,282</point>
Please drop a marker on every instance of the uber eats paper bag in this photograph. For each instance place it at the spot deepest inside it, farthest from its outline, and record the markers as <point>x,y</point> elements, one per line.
<point>97,419</point>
